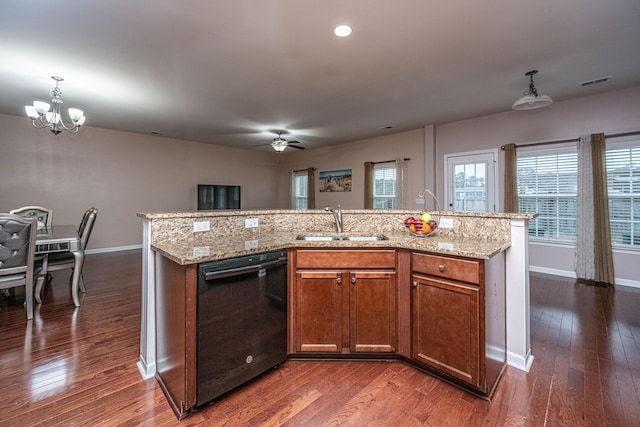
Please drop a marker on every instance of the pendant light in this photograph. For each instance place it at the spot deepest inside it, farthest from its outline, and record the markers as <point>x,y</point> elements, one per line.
<point>532,99</point>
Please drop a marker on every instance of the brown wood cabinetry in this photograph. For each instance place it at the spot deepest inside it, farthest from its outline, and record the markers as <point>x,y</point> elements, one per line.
<point>458,322</point>
<point>343,301</point>
<point>175,332</point>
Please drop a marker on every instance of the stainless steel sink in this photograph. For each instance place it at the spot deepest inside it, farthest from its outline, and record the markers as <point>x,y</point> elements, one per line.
<point>319,238</point>
<point>365,238</point>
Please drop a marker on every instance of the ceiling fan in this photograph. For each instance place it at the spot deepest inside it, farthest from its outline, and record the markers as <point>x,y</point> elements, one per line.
<point>279,144</point>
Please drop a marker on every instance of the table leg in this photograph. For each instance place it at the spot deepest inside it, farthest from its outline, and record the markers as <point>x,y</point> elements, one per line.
<point>77,272</point>
<point>41,278</point>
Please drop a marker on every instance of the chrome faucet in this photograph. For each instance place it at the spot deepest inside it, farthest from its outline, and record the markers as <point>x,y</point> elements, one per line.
<point>337,216</point>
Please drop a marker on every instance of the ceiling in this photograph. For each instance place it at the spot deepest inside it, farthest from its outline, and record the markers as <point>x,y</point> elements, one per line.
<point>231,72</point>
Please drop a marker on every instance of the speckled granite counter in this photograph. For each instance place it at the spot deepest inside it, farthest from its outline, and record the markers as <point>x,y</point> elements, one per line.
<point>190,251</point>
<point>473,235</point>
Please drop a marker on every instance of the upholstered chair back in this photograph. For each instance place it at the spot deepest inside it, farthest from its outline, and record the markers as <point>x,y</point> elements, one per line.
<point>43,215</point>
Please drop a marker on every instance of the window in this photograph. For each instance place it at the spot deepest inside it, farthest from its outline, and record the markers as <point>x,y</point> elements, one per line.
<point>384,186</point>
<point>623,185</point>
<point>547,185</point>
<point>300,188</point>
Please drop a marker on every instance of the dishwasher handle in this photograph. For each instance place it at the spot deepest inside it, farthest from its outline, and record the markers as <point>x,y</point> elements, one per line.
<point>208,275</point>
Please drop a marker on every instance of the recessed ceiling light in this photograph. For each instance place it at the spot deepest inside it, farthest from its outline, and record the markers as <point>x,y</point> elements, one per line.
<point>342,30</point>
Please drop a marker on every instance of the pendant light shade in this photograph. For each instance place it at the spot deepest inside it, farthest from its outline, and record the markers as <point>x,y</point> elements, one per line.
<point>532,99</point>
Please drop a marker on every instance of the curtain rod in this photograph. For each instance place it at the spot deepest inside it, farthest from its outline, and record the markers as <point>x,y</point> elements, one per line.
<point>302,170</point>
<point>406,159</point>
<point>561,141</point>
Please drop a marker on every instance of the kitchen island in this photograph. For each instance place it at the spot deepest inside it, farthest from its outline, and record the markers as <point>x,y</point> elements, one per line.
<point>491,250</point>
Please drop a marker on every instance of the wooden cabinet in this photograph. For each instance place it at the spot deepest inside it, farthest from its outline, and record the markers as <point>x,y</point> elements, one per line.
<point>343,302</point>
<point>451,331</point>
<point>175,300</point>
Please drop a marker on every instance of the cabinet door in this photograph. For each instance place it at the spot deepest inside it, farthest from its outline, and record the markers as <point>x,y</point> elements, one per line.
<point>372,307</point>
<point>318,311</point>
<point>445,327</point>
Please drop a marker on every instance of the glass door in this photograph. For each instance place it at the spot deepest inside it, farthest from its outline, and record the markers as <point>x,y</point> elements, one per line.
<point>470,182</point>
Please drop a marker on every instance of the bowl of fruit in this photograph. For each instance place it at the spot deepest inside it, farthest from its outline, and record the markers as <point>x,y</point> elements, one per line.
<point>421,226</point>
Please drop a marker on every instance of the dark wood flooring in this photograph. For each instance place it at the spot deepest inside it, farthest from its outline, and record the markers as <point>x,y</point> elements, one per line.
<point>77,367</point>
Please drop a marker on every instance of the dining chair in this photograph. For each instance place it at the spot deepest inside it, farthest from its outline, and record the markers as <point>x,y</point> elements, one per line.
<point>17,249</point>
<point>43,215</point>
<point>63,260</point>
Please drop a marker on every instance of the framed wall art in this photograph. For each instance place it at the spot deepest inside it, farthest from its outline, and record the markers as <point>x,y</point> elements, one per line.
<point>333,181</point>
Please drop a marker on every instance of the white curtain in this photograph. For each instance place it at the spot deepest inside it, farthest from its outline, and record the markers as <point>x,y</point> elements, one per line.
<point>401,178</point>
<point>584,263</point>
<point>593,257</point>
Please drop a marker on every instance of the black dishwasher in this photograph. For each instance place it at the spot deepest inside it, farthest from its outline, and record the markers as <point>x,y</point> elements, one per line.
<point>242,321</point>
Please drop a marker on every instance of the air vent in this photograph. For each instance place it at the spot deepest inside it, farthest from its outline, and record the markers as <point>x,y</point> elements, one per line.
<point>595,81</point>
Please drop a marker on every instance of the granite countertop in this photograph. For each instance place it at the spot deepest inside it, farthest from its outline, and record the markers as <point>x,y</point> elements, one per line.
<point>195,250</point>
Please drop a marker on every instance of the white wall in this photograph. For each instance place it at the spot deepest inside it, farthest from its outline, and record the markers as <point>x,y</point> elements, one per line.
<point>121,174</point>
<point>612,112</point>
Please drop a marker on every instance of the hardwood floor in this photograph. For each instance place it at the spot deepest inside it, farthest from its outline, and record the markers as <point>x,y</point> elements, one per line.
<point>77,367</point>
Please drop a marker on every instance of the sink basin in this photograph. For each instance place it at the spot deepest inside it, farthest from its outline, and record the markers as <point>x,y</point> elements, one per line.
<point>365,238</point>
<point>351,238</point>
<point>318,238</point>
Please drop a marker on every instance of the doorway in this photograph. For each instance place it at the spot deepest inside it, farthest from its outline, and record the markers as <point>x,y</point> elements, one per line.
<point>470,181</point>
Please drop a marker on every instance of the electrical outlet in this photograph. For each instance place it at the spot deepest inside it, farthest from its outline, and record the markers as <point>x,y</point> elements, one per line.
<point>251,223</point>
<point>201,226</point>
<point>420,201</point>
<point>251,244</point>
<point>445,223</point>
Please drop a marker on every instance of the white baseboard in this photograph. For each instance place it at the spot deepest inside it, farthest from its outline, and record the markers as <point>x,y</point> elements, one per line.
<point>572,274</point>
<point>522,362</point>
<point>113,249</point>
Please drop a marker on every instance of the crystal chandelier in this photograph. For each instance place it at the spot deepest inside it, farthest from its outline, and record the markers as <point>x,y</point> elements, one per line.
<point>41,117</point>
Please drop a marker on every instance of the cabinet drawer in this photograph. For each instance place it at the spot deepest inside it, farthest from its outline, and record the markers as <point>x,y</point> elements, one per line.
<point>450,268</point>
<point>323,258</point>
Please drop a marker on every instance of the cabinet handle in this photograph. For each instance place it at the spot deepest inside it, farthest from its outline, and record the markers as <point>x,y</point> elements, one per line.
<point>415,284</point>
<point>441,268</point>
<point>353,279</point>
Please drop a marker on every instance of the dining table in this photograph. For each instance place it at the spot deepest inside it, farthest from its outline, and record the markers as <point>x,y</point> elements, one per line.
<point>61,238</point>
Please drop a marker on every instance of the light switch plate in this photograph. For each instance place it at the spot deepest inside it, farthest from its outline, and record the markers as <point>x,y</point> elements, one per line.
<point>445,223</point>
<point>251,223</point>
<point>420,201</point>
<point>201,226</point>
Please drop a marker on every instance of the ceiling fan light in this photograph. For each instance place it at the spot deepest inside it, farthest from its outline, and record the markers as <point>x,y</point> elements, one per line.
<point>279,146</point>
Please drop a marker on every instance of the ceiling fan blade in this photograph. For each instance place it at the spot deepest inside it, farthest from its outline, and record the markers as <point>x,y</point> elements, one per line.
<point>296,146</point>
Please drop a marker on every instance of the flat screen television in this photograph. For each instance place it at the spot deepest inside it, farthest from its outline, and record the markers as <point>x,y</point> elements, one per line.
<point>213,197</point>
